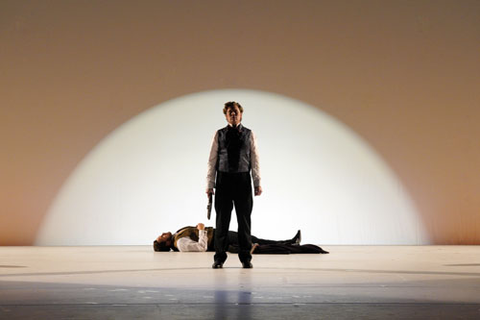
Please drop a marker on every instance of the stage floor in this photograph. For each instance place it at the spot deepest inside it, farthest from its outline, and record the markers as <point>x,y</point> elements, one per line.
<point>133,282</point>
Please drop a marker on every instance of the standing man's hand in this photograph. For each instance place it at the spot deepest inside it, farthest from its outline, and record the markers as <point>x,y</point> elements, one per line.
<point>209,192</point>
<point>200,226</point>
<point>258,191</point>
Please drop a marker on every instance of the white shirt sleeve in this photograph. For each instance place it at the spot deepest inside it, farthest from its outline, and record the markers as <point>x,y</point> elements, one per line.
<point>212,163</point>
<point>255,161</point>
<point>186,244</point>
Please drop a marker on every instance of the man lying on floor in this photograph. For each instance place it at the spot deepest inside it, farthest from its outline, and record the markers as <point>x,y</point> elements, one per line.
<point>201,239</point>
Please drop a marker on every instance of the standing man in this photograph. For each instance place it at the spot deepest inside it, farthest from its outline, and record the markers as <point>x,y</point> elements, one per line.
<point>232,156</point>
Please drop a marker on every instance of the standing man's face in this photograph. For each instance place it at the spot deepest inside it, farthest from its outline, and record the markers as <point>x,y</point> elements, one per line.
<point>233,116</point>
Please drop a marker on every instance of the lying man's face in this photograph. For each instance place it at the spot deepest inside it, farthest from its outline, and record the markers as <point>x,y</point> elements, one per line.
<point>165,237</point>
<point>163,242</point>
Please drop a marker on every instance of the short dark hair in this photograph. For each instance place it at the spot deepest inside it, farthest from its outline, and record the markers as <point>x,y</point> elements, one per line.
<point>160,246</point>
<point>232,104</point>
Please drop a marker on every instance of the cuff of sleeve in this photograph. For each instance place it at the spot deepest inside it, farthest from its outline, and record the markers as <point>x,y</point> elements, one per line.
<point>210,185</point>
<point>256,183</point>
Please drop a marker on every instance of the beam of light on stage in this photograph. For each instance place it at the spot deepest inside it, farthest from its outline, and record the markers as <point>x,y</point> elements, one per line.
<point>148,176</point>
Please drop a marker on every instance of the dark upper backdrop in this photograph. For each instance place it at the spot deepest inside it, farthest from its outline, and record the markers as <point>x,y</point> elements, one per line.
<point>405,75</point>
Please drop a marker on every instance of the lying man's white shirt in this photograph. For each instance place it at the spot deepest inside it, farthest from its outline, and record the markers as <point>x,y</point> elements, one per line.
<point>186,244</point>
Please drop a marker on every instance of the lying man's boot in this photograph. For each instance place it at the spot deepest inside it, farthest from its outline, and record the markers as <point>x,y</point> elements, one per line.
<point>297,239</point>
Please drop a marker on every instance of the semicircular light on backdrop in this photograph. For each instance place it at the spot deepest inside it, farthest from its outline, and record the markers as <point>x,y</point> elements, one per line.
<point>148,176</point>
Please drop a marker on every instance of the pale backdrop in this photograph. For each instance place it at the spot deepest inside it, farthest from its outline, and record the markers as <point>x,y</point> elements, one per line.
<point>403,75</point>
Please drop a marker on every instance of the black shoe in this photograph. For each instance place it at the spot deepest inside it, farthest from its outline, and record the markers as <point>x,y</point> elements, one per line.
<point>297,239</point>
<point>217,265</point>
<point>247,265</point>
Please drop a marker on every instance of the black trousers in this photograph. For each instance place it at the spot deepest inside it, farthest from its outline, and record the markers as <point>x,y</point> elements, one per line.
<point>288,249</point>
<point>233,240</point>
<point>233,189</point>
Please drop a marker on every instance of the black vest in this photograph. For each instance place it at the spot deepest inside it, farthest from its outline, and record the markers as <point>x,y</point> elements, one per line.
<point>234,147</point>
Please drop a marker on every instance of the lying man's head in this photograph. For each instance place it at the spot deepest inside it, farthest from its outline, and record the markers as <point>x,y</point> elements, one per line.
<point>163,242</point>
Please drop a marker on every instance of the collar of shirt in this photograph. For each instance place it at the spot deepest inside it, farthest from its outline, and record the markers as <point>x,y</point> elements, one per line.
<point>239,126</point>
